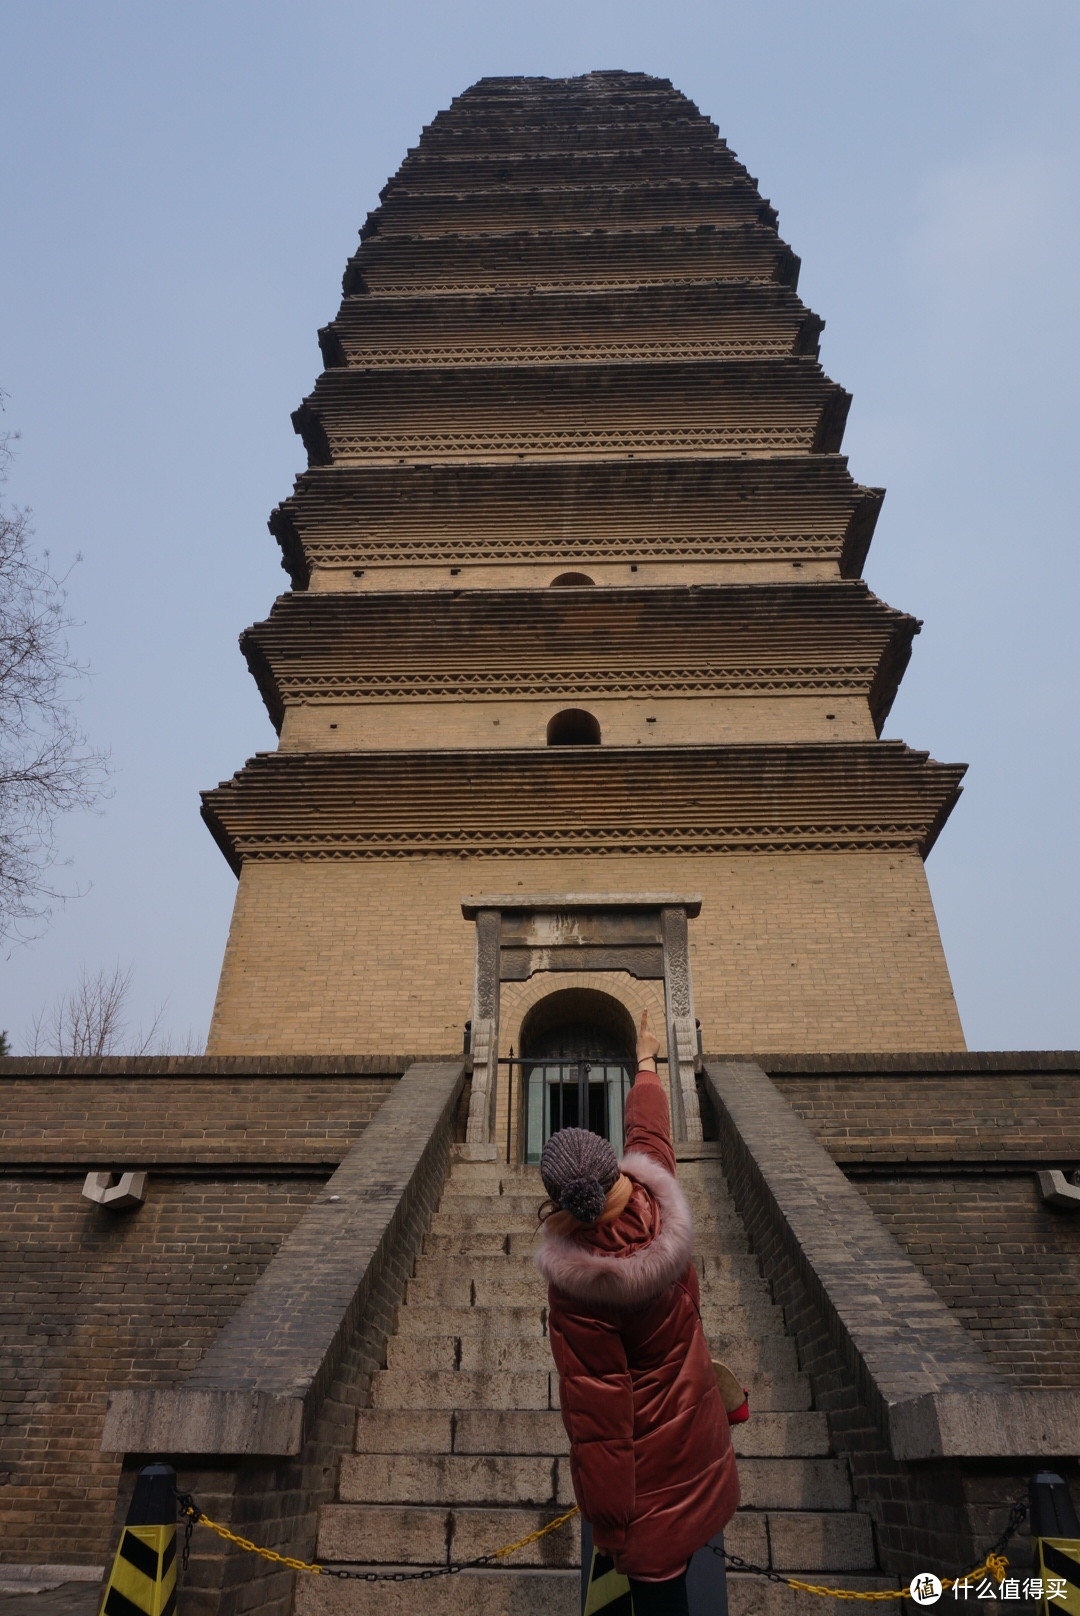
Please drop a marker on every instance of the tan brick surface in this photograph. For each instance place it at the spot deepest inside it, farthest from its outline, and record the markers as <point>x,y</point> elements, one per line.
<point>375,725</point>
<point>538,575</point>
<point>800,951</point>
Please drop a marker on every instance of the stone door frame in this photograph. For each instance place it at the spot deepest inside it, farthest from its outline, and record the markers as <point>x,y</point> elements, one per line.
<point>645,933</point>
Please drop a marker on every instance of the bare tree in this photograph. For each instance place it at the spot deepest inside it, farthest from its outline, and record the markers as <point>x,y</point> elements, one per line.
<point>93,1019</point>
<point>46,765</point>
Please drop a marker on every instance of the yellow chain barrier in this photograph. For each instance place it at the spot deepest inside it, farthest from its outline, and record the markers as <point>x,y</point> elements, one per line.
<point>994,1564</point>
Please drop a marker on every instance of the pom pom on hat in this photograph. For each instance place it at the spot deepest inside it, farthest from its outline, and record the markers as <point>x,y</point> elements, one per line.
<point>578,1168</point>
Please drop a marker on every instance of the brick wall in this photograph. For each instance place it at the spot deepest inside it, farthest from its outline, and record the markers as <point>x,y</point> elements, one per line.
<point>939,1514</point>
<point>948,1159</point>
<point>105,1120</point>
<point>538,575</point>
<point>389,1189</point>
<point>1003,1261</point>
<point>974,1108</point>
<point>92,1300</point>
<point>795,951</point>
<point>96,1299</point>
<point>657,721</point>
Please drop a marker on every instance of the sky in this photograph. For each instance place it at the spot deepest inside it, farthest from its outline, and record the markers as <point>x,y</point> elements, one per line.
<point>180,188</point>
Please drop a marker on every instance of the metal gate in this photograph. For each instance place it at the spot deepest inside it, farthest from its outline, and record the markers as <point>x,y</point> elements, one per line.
<point>572,1092</point>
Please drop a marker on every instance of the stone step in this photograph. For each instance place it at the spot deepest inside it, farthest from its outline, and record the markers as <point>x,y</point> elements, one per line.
<point>481,1350</point>
<point>427,1319</point>
<point>516,1288</point>
<point>712,1266</point>
<point>470,1204</point>
<point>463,1171</point>
<point>504,1282</point>
<point>753,1316</point>
<point>470,1236</point>
<point>533,1389</point>
<point>405,1534</point>
<point>520,1592</point>
<point>509,1431</point>
<point>402,1534</point>
<point>540,1431</point>
<point>418,1478</point>
<point>801,1484</point>
<point>547,1593</point>
<point>470,1388</point>
<point>454,1478</point>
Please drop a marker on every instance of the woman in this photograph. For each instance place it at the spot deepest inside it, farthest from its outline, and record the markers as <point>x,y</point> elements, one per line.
<point>650,1451</point>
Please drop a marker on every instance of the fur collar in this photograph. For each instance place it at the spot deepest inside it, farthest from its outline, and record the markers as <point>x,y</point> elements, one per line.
<point>637,1278</point>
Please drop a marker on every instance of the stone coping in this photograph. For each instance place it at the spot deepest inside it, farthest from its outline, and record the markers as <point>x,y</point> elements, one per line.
<point>914,1064</point>
<point>260,1383</point>
<point>200,1066</point>
<point>926,1382</point>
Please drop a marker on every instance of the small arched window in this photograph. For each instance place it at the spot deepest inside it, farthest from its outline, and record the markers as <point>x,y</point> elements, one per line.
<point>573,727</point>
<point>570,580</point>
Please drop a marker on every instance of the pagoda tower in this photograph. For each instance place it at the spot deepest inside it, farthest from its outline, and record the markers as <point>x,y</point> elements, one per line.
<point>578,686</point>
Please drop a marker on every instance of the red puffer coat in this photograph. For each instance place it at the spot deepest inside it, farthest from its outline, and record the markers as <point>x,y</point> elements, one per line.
<point>650,1451</point>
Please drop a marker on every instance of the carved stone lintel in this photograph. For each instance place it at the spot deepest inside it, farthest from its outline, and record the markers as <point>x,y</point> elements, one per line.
<point>518,964</point>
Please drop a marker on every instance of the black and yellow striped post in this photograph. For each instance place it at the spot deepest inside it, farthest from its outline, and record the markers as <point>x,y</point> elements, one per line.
<point>604,1591</point>
<point>143,1579</point>
<point>1056,1533</point>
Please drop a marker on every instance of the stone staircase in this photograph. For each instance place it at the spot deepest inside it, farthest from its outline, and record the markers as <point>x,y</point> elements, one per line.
<point>463,1448</point>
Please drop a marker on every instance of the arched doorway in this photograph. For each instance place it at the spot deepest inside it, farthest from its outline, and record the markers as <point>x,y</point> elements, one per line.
<point>577,1052</point>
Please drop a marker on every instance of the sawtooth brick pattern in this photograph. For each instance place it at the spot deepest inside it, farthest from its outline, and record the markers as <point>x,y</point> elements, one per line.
<point>311,964</point>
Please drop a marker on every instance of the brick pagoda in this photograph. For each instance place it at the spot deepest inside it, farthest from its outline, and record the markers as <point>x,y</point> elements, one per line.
<point>575,476</point>
<point>579,694</point>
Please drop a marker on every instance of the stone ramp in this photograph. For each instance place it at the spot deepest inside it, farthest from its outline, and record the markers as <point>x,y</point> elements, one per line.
<point>463,1450</point>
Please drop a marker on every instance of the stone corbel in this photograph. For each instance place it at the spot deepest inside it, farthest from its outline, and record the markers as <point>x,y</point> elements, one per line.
<point>118,1192</point>
<point>1057,1191</point>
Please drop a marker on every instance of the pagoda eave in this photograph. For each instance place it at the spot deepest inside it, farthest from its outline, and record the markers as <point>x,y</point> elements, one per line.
<point>877,797</point>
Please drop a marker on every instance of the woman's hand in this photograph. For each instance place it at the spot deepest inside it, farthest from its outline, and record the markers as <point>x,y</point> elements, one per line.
<point>648,1044</point>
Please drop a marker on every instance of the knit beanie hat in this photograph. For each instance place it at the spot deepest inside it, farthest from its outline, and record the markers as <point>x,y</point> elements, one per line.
<point>578,1168</point>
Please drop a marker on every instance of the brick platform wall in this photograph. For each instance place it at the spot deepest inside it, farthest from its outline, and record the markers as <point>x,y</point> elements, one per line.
<point>92,1299</point>
<point>1006,1264</point>
<point>96,1299</point>
<point>978,1108</point>
<point>947,1158</point>
<point>794,951</point>
<point>389,1189</point>
<point>105,1120</point>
